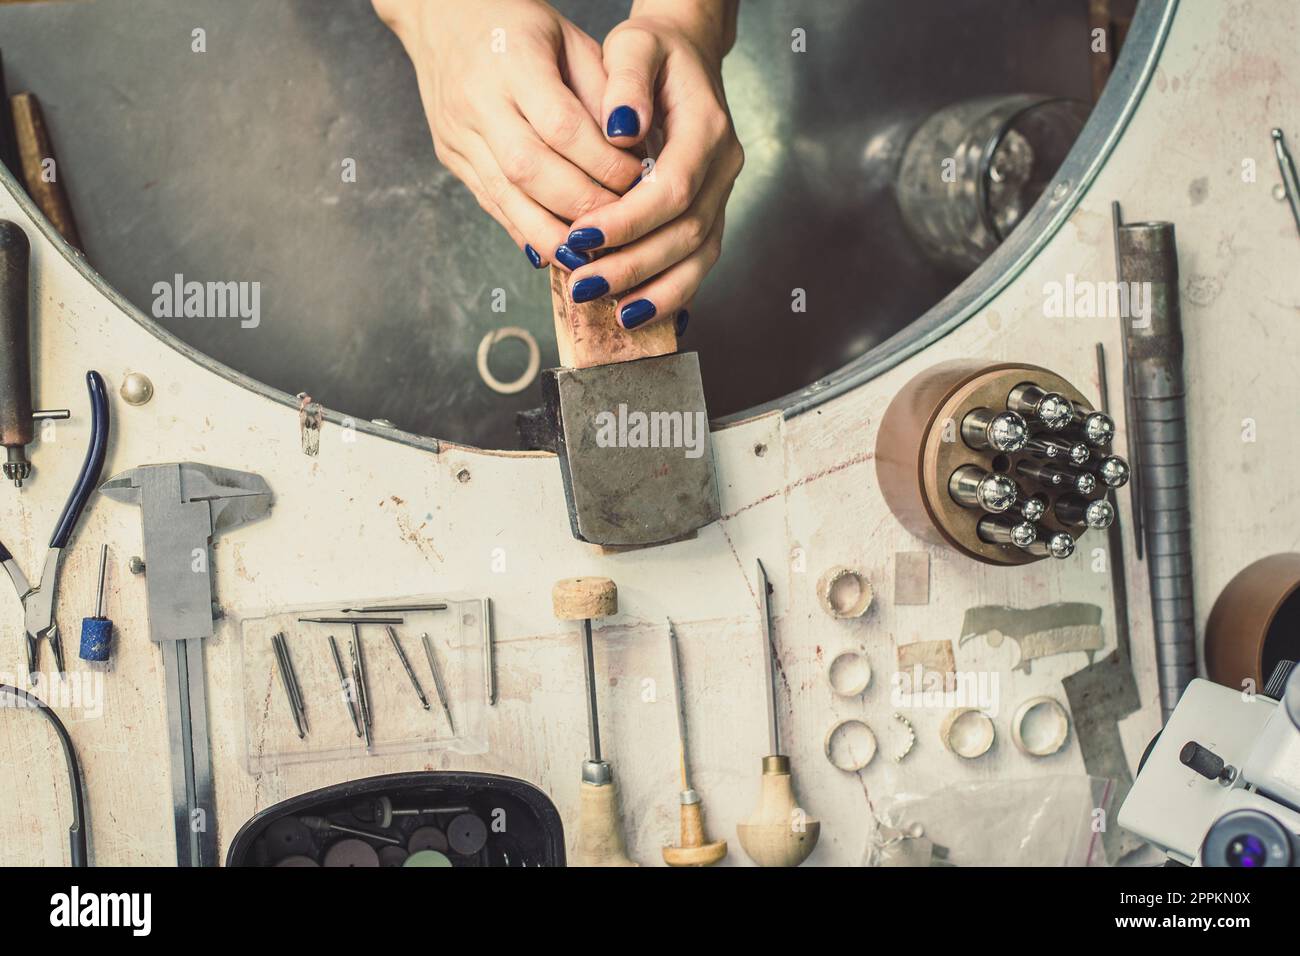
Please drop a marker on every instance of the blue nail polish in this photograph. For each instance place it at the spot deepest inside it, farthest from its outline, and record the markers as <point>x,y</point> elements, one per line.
<point>584,239</point>
<point>533,257</point>
<point>636,313</point>
<point>636,182</point>
<point>623,122</point>
<point>683,317</point>
<point>570,259</point>
<point>592,287</point>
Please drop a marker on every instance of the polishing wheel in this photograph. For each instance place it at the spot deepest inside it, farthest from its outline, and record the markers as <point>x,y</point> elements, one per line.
<point>467,834</point>
<point>288,836</point>
<point>351,853</point>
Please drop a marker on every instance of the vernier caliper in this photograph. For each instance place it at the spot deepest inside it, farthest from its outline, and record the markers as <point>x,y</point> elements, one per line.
<point>182,507</point>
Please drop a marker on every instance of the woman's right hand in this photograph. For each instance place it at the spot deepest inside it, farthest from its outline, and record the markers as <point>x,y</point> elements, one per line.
<point>511,91</point>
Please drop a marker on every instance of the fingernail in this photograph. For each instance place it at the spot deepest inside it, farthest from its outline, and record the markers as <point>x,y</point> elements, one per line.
<point>636,313</point>
<point>570,259</point>
<point>623,122</point>
<point>683,317</point>
<point>584,239</point>
<point>592,287</point>
<point>533,257</point>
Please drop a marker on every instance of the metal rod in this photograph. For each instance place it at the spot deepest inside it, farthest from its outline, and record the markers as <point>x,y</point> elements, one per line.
<point>489,657</point>
<point>343,684</point>
<point>437,679</point>
<point>287,682</point>
<point>352,620</point>
<point>394,608</point>
<point>99,590</point>
<point>674,659</point>
<point>293,677</point>
<point>769,662</point>
<point>589,672</point>
<point>1115,538</point>
<point>427,811</point>
<point>320,824</point>
<point>406,666</point>
<point>1130,415</point>
<point>1149,255</point>
<point>359,683</point>
<point>367,712</point>
<point>1286,165</point>
<point>356,682</point>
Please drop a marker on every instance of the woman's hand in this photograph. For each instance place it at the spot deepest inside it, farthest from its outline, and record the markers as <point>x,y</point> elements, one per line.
<point>665,68</point>
<point>511,91</point>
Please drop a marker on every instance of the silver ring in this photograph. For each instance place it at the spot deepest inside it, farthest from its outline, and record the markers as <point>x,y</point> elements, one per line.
<point>1051,736</point>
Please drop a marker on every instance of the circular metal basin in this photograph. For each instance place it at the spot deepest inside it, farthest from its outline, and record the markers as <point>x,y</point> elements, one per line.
<point>226,165</point>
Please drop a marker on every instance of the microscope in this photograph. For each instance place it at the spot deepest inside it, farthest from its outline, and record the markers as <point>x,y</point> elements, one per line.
<point>1220,784</point>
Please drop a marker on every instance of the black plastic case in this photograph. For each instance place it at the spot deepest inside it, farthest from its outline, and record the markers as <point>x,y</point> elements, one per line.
<point>523,826</point>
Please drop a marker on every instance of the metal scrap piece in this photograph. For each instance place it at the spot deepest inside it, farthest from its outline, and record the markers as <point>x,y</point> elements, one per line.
<point>310,415</point>
<point>931,656</point>
<point>911,737</point>
<point>911,577</point>
<point>1038,631</point>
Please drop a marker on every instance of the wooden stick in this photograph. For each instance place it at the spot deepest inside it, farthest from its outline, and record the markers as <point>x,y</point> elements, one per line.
<point>44,184</point>
<point>590,334</point>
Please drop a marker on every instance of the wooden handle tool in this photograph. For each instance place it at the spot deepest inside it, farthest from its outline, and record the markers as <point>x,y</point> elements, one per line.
<point>600,831</point>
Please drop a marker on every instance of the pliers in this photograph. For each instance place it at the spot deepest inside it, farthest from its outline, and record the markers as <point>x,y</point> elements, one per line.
<point>38,601</point>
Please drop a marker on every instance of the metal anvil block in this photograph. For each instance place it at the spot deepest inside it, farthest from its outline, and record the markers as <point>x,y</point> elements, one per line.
<point>635,450</point>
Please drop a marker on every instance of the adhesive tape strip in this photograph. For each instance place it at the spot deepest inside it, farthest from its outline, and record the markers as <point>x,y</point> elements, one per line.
<point>1040,726</point>
<point>967,732</point>
<point>850,745</point>
<point>849,673</point>
<point>530,373</point>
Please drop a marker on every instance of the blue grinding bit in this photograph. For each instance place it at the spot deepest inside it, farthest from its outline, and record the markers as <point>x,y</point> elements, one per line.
<point>97,631</point>
<point>96,638</point>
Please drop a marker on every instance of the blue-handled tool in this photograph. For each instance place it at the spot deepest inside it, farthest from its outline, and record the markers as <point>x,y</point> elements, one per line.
<point>38,601</point>
<point>97,631</point>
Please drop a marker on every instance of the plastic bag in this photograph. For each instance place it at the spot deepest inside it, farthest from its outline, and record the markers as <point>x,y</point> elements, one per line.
<point>1043,821</point>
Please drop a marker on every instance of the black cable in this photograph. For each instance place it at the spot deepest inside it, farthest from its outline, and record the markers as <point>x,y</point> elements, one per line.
<point>76,832</point>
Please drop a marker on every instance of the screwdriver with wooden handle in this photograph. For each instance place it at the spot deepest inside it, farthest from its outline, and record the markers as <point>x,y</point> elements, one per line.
<point>600,832</point>
<point>694,849</point>
<point>778,832</point>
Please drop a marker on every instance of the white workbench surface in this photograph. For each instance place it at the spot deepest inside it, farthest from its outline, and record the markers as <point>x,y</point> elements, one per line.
<point>385,519</point>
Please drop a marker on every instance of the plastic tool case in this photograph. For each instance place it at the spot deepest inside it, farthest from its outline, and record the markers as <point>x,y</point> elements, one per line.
<point>522,826</point>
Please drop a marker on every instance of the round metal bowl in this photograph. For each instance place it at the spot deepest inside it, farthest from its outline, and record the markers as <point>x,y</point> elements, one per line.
<point>227,165</point>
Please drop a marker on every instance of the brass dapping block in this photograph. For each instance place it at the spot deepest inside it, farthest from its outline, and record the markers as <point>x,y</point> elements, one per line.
<point>998,461</point>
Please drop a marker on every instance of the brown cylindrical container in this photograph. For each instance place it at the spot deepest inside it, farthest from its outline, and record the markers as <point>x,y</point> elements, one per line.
<point>920,445</point>
<point>1255,622</point>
